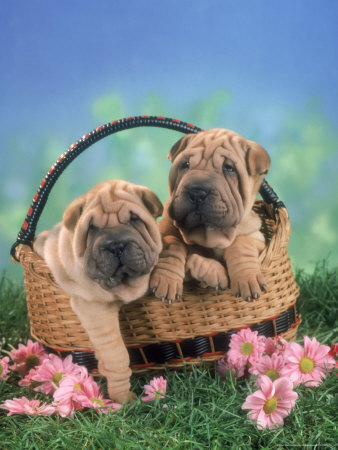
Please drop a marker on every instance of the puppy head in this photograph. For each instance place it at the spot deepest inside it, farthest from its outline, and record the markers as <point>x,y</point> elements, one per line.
<point>114,234</point>
<point>213,182</point>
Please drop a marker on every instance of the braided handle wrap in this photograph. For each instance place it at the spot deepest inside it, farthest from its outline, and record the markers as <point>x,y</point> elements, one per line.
<point>27,231</point>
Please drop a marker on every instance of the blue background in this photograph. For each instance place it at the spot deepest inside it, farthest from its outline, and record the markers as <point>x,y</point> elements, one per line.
<point>266,69</point>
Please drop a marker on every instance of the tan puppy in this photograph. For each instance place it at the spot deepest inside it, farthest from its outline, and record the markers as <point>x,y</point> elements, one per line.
<point>209,229</point>
<point>102,254</point>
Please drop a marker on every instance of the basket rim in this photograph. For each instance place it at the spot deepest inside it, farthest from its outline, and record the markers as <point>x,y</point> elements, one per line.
<point>28,228</point>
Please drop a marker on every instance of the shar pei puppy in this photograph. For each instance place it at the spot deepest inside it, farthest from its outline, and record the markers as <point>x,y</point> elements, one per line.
<point>102,254</point>
<point>210,231</point>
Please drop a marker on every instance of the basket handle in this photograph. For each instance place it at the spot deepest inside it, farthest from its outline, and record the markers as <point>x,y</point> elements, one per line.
<point>27,231</point>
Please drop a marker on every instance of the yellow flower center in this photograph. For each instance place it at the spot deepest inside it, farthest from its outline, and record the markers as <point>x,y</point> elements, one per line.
<point>272,374</point>
<point>158,394</point>
<point>306,364</point>
<point>77,387</point>
<point>32,361</point>
<point>57,377</point>
<point>97,400</point>
<point>270,405</point>
<point>1,368</point>
<point>246,348</point>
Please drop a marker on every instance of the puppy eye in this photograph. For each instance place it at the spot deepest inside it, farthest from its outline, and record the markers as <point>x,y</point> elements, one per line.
<point>228,169</point>
<point>134,217</point>
<point>185,165</point>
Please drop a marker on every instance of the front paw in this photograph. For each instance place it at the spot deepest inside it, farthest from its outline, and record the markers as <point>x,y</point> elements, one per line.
<point>208,271</point>
<point>165,285</point>
<point>248,284</point>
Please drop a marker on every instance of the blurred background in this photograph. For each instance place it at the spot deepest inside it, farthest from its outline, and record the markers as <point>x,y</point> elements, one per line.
<point>268,70</point>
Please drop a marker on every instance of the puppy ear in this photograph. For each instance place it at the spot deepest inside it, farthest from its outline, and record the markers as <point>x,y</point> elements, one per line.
<point>150,200</point>
<point>73,213</point>
<point>179,147</point>
<point>257,160</point>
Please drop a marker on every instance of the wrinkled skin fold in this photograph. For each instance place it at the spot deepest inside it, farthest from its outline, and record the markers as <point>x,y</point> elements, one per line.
<point>102,254</point>
<point>209,229</point>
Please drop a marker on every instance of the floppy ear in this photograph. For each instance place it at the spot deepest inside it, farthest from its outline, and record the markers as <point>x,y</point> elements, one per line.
<point>257,160</point>
<point>150,200</point>
<point>73,213</point>
<point>179,147</point>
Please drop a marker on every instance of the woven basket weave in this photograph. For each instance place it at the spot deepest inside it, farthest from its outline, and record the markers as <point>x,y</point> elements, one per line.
<point>197,327</point>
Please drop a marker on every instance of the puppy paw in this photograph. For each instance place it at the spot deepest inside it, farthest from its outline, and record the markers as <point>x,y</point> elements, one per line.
<point>248,285</point>
<point>208,271</point>
<point>122,397</point>
<point>165,286</point>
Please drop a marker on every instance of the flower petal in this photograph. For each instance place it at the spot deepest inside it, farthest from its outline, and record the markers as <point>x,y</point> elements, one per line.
<point>253,402</point>
<point>267,386</point>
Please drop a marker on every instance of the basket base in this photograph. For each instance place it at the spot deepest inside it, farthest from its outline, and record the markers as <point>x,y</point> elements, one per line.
<point>206,349</point>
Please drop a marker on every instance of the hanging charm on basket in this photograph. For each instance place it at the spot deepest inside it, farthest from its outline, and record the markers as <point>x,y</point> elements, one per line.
<point>195,327</point>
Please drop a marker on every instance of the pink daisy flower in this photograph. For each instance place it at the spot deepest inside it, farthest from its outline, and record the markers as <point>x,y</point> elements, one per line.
<point>269,406</point>
<point>246,347</point>
<point>76,392</point>
<point>24,406</point>
<point>307,365</point>
<point>51,372</point>
<point>222,368</point>
<point>28,379</point>
<point>4,368</point>
<point>228,364</point>
<point>64,409</point>
<point>27,357</point>
<point>155,389</point>
<point>91,397</point>
<point>275,344</point>
<point>65,399</point>
<point>270,366</point>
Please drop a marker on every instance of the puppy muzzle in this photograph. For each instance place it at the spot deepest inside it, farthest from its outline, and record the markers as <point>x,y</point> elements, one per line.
<point>117,255</point>
<point>201,206</point>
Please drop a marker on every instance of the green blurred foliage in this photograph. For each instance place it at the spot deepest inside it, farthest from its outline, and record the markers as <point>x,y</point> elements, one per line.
<point>304,169</point>
<point>304,155</point>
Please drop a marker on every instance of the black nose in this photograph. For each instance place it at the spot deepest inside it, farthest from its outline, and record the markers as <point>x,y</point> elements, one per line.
<point>197,195</point>
<point>116,248</point>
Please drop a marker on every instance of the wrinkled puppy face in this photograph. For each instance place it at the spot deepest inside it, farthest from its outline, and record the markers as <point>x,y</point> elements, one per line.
<point>116,254</point>
<point>214,180</point>
<point>116,237</point>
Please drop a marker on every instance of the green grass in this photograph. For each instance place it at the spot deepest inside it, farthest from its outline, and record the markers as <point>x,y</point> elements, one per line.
<point>14,325</point>
<point>319,302</point>
<point>203,412</point>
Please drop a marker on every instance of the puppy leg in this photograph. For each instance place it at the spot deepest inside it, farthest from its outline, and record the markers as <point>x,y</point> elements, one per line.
<point>166,280</point>
<point>101,321</point>
<point>246,279</point>
<point>207,270</point>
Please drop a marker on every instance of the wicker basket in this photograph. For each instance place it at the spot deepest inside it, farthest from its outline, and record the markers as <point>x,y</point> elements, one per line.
<point>199,325</point>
